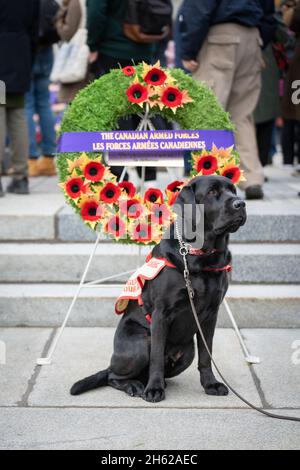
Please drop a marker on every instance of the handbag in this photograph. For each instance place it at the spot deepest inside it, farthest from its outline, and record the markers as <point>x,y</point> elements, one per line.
<point>71,61</point>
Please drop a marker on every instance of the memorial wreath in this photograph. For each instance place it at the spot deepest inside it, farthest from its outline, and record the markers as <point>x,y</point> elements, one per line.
<point>89,185</point>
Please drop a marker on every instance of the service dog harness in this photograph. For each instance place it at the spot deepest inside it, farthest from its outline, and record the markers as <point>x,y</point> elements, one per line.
<point>151,268</point>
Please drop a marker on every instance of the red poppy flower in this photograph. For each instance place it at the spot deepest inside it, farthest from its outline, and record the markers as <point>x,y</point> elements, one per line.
<point>155,77</point>
<point>153,196</point>
<point>160,213</point>
<point>175,186</point>
<point>74,187</point>
<point>137,93</point>
<point>172,97</point>
<point>115,226</point>
<point>128,187</point>
<point>94,171</point>
<point>142,232</point>
<point>128,70</point>
<point>132,208</point>
<point>207,164</point>
<point>90,211</point>
<point>232,172</point>
<point>110,193</point>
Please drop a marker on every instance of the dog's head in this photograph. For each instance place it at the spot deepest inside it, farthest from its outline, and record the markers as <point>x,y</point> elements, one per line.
<point>224,211</point>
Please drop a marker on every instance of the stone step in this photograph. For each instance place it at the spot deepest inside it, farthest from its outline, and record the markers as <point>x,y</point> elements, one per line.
<point>45,217</point>
<point>65,262</point>
<point>268,221</point>
<point>46,305</point>
<point>29,218</point>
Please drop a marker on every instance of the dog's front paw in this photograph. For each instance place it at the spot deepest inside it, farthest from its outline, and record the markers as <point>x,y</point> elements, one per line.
<point>154,394</point>
<point>135,388</point>
<point>216,388</point>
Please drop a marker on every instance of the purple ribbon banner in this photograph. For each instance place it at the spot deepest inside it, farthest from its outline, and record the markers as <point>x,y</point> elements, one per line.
<point>144,142</point>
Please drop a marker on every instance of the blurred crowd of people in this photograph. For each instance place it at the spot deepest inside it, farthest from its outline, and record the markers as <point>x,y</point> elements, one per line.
<point>247,51</point>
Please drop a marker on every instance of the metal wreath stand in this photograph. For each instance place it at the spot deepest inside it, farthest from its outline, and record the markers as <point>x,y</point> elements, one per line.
<point>145,124</point>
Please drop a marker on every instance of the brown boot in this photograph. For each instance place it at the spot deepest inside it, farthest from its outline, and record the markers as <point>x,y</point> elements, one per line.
<point>46,166</point>
<point>33,167</point>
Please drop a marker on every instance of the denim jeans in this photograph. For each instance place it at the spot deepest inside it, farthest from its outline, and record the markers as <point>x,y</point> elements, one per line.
<point>37,101</point>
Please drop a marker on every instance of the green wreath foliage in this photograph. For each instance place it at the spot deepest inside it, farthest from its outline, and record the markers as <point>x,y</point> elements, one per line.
<point>100,105</point>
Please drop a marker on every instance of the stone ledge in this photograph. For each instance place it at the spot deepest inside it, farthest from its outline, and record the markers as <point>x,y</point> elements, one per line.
<point>46,305</point>
<point>61,262</point>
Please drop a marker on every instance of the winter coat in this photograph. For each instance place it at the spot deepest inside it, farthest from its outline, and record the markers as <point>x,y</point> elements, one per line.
<point>199,15</point>
<point>19,21</point>
<point>105,32</point>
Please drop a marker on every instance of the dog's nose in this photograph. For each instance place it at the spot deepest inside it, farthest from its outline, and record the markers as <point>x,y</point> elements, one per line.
<point>238,204</point>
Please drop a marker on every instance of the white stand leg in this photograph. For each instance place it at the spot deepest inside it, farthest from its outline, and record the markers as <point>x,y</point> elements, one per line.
<point>248,358</point>
<point>42,361</point>
<point>47,360</point>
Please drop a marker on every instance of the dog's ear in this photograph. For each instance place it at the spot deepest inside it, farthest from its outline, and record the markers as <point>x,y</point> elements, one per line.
<point>187,195</point>
<point>189,215</point>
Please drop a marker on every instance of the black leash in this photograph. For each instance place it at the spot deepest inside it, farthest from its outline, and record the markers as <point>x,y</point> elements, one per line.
<point>184,250</point>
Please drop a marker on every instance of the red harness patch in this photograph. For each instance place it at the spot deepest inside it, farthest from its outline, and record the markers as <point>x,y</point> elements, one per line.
<point>134,286</point>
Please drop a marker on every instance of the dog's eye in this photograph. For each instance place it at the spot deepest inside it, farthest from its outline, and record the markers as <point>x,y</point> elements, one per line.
<point>212,192</point>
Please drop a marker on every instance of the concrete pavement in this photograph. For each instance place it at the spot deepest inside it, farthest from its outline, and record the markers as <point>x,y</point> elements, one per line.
<point>37,412</point>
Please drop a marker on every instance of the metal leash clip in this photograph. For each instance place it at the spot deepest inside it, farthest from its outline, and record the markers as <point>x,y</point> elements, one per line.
<point>184,250</point>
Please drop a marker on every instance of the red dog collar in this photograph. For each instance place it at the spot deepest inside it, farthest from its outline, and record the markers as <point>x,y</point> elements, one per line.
<point>198,252</point>
<point>227,268</point>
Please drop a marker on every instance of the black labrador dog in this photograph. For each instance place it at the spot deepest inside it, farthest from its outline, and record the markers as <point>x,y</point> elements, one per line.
<point>145,355</point>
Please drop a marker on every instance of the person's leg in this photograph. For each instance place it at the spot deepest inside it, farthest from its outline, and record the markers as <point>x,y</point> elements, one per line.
<point>241,104</point>
<point>264,132</point>
<point>30,111</point>
<point>45,164</point>
<point>288,141</point>
<point>2,140</point>
<point>231,67</point>
<point>217,61</point>
<point>18,133</point>
<point>46,117</point>
<point>297,142</point>
<point>43,66</point>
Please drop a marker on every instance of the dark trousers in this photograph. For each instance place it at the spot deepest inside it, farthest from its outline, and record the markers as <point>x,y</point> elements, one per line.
<point>264,132</point>
<point>99,68</point>
<point>290,141</point>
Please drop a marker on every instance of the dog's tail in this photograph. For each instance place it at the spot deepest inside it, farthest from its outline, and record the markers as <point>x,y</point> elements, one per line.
<point>89,383</point>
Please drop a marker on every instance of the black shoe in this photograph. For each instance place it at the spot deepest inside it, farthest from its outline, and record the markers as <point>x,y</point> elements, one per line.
<point>18,186</point>
<point>1,190</point>
<point>254,192</point>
